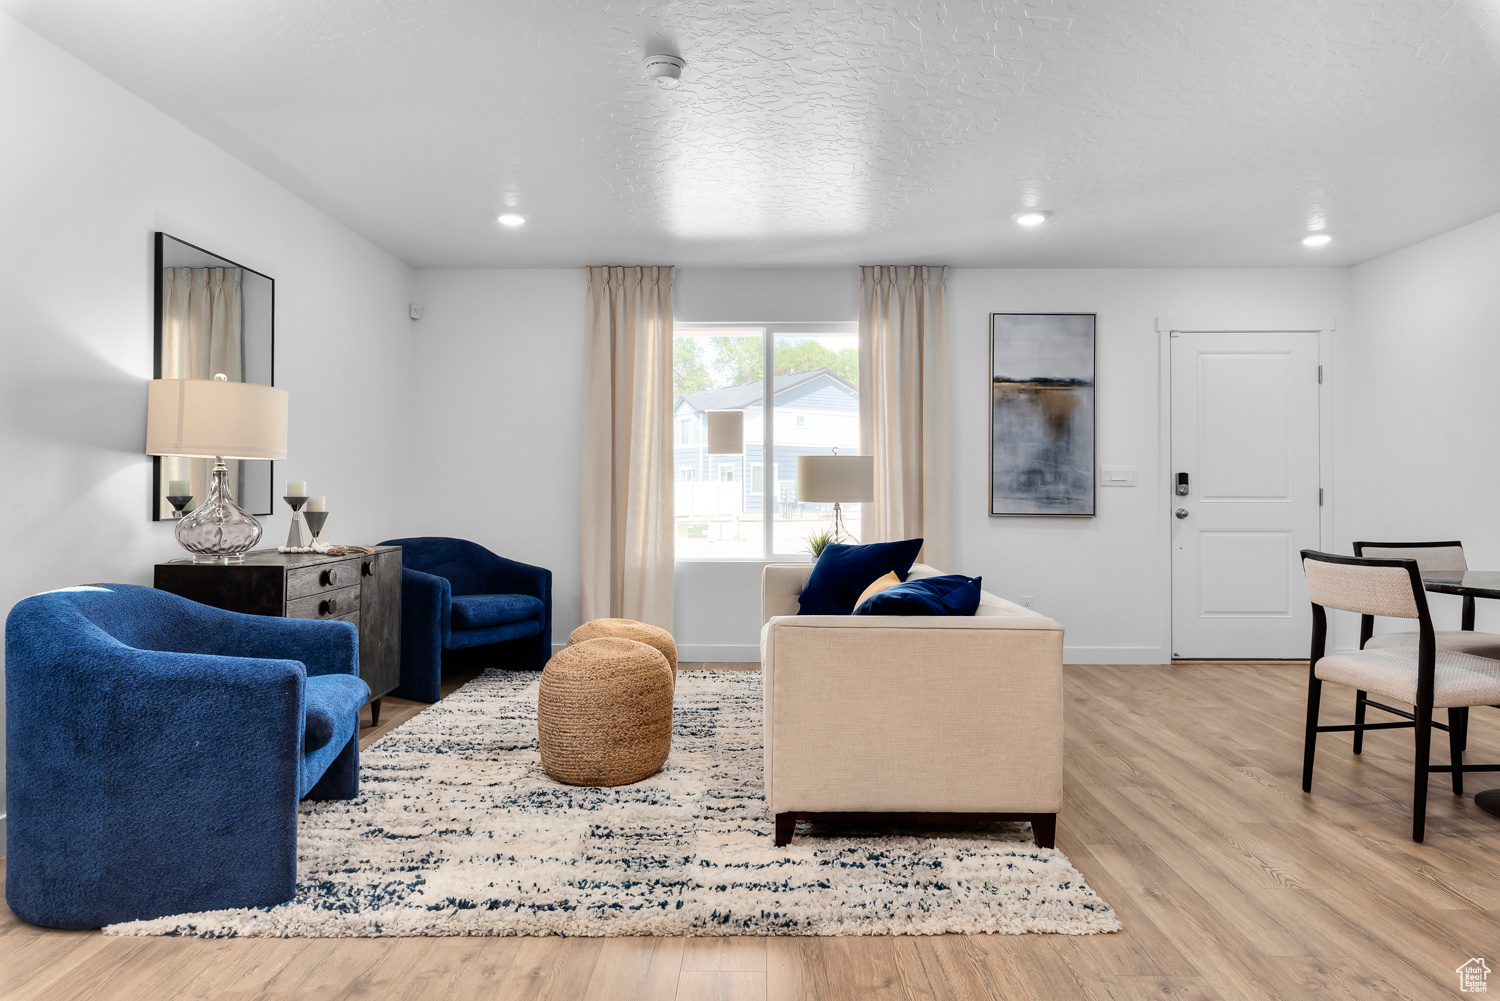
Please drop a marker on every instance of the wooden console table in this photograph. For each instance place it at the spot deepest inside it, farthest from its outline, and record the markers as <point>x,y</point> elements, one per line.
<point>361,588</point>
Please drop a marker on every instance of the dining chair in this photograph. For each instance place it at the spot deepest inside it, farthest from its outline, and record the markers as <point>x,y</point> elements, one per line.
<point>1421,675</point>
<point>1431,557</point>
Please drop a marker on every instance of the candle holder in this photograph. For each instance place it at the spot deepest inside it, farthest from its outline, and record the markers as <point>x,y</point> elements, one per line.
<point>293,534</point>
<point>315,520</point>
<point>178,502</point>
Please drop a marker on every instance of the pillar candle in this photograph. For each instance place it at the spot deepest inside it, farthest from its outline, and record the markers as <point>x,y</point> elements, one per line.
<point>318,504</point>
<point>178,488</point>
<point>296,488</point>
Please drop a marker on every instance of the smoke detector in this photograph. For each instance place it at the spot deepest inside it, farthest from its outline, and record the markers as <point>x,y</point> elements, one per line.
<point>664,69</point>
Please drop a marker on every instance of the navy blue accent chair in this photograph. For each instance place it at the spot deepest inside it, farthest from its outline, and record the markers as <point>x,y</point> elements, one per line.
<point>458,595</point>
<point>156,749</point>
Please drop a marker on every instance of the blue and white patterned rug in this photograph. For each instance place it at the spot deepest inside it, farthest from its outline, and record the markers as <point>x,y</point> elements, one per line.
<point>458,831</point>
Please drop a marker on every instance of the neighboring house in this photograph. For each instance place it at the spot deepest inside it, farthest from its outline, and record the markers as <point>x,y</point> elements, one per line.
<point>814,411</point>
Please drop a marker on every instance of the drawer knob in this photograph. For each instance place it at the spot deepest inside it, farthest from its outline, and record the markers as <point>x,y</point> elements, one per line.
<point>369,569</point>
<point>330,578</point>
<point>329,607</point>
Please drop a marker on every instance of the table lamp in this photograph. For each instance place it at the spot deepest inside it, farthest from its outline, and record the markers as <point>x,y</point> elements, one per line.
<point>824,478</point>
<point>217,419</point>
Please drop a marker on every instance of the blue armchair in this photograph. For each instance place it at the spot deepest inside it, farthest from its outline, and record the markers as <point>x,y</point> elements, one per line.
<point>457,594</point>
<point>156,749</point>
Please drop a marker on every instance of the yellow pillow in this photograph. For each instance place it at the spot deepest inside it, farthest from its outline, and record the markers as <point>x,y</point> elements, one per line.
<point>889,580</point>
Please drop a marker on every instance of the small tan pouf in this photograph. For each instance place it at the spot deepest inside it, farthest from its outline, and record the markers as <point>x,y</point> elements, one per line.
<point>631,630</point>
<point>604,712</point>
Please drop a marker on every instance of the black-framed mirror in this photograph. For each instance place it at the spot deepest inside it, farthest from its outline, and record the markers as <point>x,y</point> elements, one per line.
<point>213,317</point>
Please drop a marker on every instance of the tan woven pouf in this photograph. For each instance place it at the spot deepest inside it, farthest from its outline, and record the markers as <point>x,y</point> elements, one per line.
<point>631,630</point>
<point>604,712</point>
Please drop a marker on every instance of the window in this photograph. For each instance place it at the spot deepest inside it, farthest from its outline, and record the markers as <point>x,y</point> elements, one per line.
<point>687,474</point>
<point>813,397</point>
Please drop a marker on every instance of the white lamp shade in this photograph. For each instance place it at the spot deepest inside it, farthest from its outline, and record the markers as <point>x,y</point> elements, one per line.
<point>842,478</point>
<point>726,431</point>
<point>209,418</point>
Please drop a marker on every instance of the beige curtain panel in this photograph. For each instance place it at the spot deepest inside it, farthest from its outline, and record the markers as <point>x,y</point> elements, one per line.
<point>202,327</point>
<point>627,547</point>
<point>903,404</point>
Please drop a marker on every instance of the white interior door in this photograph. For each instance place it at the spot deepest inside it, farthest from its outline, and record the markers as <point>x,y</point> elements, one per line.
<point>1245,435</point>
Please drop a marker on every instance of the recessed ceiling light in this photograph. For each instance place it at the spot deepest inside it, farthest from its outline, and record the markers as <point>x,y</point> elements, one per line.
<point>1316,240</point>
<point>1029,219</point>
<point>511,219</point>
<point>665,69</point>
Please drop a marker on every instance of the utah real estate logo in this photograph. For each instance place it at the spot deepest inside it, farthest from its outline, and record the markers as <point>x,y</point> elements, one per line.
<point>1472,976</point>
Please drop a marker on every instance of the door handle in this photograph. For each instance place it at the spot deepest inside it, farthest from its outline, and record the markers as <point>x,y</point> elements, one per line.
<point>1181,512</point>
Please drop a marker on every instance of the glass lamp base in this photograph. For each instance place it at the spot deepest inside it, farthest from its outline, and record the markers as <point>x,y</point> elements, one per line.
<point>218,530</point>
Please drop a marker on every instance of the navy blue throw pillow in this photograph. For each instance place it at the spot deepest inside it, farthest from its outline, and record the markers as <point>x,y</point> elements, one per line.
<point>843,572</point>
<point>953,594</point>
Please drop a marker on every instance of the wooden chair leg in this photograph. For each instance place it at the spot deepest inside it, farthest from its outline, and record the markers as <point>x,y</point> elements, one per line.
<point>1424,751</point>
<point>786,823</point>
<point>1456,748</point>
<point>1463,729</point>
<point>1310,745</point>
<point>1359,720</point>
<point>1044,829</point>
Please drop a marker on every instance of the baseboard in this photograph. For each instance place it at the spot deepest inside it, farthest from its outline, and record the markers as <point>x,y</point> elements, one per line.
<point>719,653</point>
<point>1115,655</point>
<point>710,653</point>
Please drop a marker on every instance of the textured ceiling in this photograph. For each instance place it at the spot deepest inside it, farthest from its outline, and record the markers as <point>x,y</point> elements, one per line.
<point>834,132</point>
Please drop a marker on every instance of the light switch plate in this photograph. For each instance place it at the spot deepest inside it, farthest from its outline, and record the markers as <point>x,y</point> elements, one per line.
<point>1117,476</point>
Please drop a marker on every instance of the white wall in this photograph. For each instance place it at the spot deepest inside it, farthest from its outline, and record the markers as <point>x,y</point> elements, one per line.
<point>498,426</point>
<point>1427,408</point>
<point>90,172</point>
<point>1103,578</point>
<point>487,334</point>
<point>771,295</point>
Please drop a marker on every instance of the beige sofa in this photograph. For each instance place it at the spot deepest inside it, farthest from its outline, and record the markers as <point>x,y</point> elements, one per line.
<point>910,715</point>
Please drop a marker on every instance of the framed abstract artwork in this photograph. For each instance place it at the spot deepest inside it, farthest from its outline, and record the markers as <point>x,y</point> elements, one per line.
<point>1042,414</point>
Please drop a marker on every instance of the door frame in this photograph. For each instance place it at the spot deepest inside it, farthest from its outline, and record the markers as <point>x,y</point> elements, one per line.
<point>1321,324</point>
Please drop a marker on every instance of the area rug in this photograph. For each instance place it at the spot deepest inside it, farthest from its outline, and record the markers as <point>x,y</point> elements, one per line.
<point>458,831</point>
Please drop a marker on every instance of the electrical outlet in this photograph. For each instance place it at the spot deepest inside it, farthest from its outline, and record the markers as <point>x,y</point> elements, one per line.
<point>1027,599</point>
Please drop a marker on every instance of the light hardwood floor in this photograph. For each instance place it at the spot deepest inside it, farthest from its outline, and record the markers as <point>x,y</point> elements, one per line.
<point>1183,809</point>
